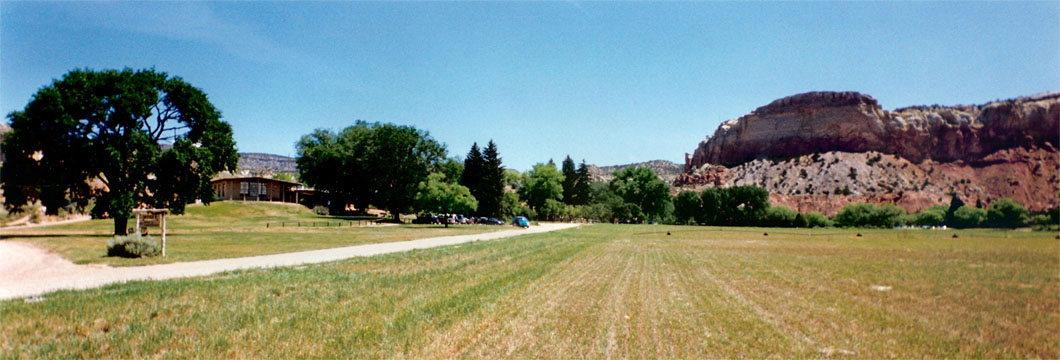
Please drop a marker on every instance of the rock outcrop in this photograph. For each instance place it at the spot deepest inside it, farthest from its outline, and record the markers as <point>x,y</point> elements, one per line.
<point>818,122</point>
<point>667,170</point>
<point>826,182</point>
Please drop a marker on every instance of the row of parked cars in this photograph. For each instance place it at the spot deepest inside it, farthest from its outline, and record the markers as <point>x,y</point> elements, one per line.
<point>461,219</point>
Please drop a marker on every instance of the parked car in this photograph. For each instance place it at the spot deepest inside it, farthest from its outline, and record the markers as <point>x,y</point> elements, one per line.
<point>426,219</point>
<point>490,221</point>
<point>521,221</point>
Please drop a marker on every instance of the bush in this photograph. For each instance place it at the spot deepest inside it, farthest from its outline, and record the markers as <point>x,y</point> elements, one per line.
<point>321,210</point>
<point>816,219</point>
<point>1006,213</point>
<point>869,215</point>
<point>968,217</point>
<point>133,246</point>
<point>779,216</point>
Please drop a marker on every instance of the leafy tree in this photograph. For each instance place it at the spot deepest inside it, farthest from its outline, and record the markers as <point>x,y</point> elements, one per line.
<point>686,206</point>
<point>801,221</point>
<point>967,217</point>
<point>401,158</point>
<point>1007,213</point>
<point>541,183</point>
<point>570,178</point>
<point>453,170</point>
<point>369,163</point>
<point>711,211</point>
<point>647,195</point>
<point>491,187</point>
<point>815,219</point>
<point>553,209</point>
<point>869,215</point>
<point>955,203</point>
<point>110,126</point>
<point>779,216</point>
<point>337,165</point>
<point>934,216</point>
<point>439,195</point>
<point>746,204</point>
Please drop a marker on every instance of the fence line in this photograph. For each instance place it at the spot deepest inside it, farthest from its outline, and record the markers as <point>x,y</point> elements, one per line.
<point>301,224</point>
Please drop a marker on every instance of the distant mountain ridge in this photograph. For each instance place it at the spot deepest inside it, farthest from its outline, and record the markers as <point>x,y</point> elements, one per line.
<point>261,163</point>
<point>667,170</point>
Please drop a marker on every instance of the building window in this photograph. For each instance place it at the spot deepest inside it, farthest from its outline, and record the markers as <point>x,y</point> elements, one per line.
<point>243,188</point>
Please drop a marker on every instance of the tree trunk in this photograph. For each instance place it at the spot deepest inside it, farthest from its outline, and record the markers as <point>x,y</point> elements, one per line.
<point>121,225</point>
<point>397,216</point>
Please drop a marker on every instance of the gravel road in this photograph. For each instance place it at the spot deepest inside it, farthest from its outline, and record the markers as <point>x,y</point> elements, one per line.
<point>27,270</point>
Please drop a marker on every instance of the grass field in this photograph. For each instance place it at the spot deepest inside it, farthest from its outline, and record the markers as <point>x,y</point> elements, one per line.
<point>596,291</point>
<point>229,229</point>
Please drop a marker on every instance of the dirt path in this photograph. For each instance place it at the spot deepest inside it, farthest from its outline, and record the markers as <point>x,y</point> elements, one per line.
<point>27,271</point>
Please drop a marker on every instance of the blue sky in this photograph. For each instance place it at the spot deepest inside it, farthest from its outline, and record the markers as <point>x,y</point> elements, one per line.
<point>610,83</point>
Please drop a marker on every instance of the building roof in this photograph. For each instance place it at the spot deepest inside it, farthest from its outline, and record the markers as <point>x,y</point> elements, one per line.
<point>255,178</point>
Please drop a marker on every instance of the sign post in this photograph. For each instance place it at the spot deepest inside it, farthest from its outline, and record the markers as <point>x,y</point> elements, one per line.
<point>146,218</point>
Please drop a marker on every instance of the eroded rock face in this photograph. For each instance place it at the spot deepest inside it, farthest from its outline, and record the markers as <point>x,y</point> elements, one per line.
<point>826,182</point>
<point>819,122</point>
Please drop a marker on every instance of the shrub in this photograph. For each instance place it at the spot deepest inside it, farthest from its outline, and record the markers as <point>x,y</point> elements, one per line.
<point>779,216</point>
<point>133,246</point>
<point>1006,213</point>
<point>816,219</point>
<point>967,217</point>
<point>321,210</point>
<point>869,215</point>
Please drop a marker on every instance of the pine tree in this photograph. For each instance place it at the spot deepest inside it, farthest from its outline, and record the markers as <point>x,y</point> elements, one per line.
<point>582,185</point>
<point>472,176</point>
<point>570,178</point>
<point>491,187</point>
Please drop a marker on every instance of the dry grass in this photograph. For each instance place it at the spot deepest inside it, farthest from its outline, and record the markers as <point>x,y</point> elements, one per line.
<point>603,291</point>
<point>230,229</point>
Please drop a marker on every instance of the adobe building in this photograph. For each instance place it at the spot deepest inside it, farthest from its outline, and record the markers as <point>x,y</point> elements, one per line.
<point>256,188</point>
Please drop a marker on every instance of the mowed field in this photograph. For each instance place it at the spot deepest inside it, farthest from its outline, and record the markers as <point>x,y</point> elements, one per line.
<point>598,291</point>
<point>230,229</point>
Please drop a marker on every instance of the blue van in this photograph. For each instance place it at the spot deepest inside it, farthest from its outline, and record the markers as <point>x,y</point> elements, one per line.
<point>521,221</point>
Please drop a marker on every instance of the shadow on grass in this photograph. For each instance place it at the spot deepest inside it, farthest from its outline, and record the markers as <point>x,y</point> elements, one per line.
<point>34,236</point>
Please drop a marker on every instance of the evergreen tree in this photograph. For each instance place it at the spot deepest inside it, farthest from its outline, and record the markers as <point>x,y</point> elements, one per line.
<point>570,178</point>
<point>472,175</point>
<point>582,185</point>
<point>955,203</point>
<point>491,185</point>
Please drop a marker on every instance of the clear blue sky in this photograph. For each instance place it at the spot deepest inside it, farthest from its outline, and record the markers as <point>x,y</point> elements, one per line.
<point>611,83</point>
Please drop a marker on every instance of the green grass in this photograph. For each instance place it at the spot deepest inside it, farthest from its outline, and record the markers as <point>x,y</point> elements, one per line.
<point>229,229</point>
<point>596,291</point>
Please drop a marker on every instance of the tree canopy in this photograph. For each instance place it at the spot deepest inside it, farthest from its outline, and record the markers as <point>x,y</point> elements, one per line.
<point>147,137</point>
<point>369,164</point>
<point>541,183</point>
<point>439,195</point>
<point>646,193</point>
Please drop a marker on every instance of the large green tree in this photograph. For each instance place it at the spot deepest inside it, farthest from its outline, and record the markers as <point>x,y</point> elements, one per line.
<point>582,191</point>
<point>570,178</point>
<point>439,195</point>
<point>642,189</point>
<point>149,138</point>
<point>337,165</point>
<point>471,177</point>
<point>541,183</point>
<point>369,163</point>
<point>491,187</point>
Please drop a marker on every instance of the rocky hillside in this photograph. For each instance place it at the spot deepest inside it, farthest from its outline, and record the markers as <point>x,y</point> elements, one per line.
<point>667,170</point>
<point>851,122</point>
<point>821,151</point>
<point>258,163</point>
